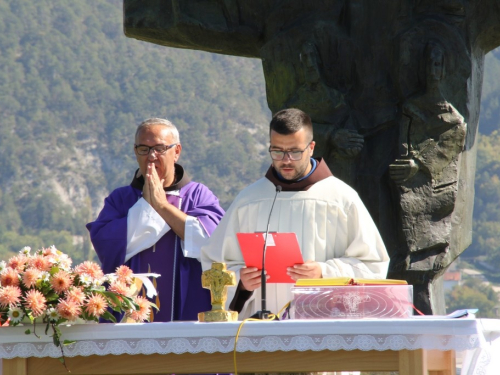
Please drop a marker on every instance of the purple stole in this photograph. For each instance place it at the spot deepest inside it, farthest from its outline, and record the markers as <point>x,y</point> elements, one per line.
<point>180,282</point>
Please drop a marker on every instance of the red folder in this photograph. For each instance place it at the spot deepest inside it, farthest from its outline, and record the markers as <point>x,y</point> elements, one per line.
<point>283,251</point>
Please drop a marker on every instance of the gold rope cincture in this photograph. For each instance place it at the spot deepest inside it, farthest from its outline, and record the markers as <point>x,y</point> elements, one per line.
<point>269,319</point>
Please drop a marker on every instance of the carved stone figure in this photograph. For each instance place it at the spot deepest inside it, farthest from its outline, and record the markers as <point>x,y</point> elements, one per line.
<point>327,106</point>
<point>386,118</point>
<point>433,134</point>
<point>321,102</point>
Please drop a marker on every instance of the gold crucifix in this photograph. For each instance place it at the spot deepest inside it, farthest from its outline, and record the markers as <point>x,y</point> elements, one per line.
<point>217,279</point>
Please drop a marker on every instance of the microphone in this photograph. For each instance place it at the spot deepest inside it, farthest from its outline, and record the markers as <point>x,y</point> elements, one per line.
<point>264,313</point>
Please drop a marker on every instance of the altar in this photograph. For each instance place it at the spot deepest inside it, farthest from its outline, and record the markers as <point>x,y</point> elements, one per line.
<point>413,346</point>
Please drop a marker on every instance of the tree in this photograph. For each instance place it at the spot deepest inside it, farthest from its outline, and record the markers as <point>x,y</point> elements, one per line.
<point>473,294</point>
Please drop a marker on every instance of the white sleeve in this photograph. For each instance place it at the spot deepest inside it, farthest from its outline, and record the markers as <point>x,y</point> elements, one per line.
<point>365,255</point>
<point>195,236</point>
<point>144,228</point>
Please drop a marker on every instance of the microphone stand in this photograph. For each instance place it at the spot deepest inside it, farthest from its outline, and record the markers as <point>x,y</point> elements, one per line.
<point>264,313</point>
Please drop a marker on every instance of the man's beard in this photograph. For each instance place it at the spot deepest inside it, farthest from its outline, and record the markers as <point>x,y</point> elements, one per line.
<point>297,172</point>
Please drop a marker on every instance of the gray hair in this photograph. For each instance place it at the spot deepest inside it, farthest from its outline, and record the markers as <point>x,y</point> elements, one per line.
<point>162,122</point>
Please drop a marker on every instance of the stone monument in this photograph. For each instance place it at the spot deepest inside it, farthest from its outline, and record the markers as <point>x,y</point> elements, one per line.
<point>393,88</point>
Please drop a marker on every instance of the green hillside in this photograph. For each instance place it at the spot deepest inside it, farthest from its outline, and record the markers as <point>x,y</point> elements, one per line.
<point>490,100</point>
<point>73,88</point>
<point>485,248</point>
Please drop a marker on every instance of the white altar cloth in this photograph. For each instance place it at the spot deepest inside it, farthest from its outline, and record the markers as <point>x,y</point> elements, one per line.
<point>479,337</point>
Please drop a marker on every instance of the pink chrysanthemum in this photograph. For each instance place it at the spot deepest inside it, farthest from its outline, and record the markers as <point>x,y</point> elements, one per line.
<point>69,310</point>
<point>30,277</point>
<point>9,276</point>
<point>10,296</point>
<point>18,262</point>
<point>76,295</point>
<point>119,287</point>
<point>124,274</point>
<point>36,302</point>
<point>96,305</point>
<point>61,281</point>
<point>64,261</point>
<point>49,251</point>
<point>89,268</point>
<point>142,313</point>
<point>39,262</point>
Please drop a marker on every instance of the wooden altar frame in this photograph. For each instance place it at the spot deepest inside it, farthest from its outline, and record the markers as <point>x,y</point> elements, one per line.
<point>407,362</point>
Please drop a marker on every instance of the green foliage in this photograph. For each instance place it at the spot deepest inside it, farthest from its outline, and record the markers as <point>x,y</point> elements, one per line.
<point>473,294</point>
<point>486,227</point>
<point>487,203</point>
<point>73,89</point>
<point>490,104</point>
<point>12,242</point>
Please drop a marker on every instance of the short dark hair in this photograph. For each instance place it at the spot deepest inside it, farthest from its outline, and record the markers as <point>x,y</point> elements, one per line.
<point>291,120</point>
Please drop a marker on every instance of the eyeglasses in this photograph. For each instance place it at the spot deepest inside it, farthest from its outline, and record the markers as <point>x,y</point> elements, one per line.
<point>159,149</point>
<point>293,155</point>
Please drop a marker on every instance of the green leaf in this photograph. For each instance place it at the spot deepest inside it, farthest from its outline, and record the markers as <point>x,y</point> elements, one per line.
<point>111,296</point>
<point>108,316</point>
<point>128,304</point>
<point>153,305</point>
<point>52,296</point>
<point>57,330</point>
<point>85,316</point>
<point>28,331</point>
<point>98,289</point>
<point>55,340</point>
<point>68,342</point>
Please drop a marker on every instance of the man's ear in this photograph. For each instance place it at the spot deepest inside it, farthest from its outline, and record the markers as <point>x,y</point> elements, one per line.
<point>311,147</point>
<point>178,149</point>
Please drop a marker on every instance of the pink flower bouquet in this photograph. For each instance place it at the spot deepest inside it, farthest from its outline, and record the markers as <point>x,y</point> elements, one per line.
<point>43,287</point>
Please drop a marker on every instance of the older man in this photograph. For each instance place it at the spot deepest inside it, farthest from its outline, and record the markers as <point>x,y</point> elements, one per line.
<point>336,234</point>
<point>156,224</point>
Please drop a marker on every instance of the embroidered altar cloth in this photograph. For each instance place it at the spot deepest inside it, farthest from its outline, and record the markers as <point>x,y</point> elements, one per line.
<point>464,334</point>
